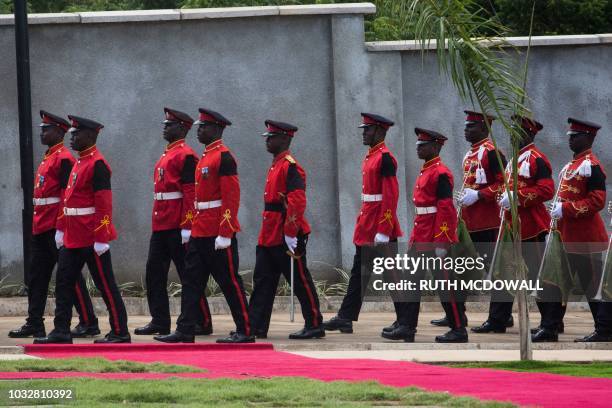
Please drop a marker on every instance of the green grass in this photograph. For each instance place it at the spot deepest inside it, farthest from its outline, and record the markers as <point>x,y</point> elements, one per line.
<point>94,365</point>
<point>594,369</point>
<point>278,392</point>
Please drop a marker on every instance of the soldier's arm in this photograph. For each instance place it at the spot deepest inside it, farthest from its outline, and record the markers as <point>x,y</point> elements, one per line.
<point>496,185</point>
<point>64,176</point>
<point>296,200</point>
<point>103,201</point>
<point>187,182</point>
<point>230,194</point>
<point>390,195</point>
<point>595,199</point>
<point>544,188</point>
<point>445,223</point>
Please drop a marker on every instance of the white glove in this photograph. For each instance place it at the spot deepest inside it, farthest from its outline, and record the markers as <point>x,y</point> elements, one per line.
<point>504,201</point>
<point>101,248</point>
<point>557,211</point>
<point>441,252</point>
<point>469,197</point>
<point>185,235</point>
<point>291,243</point>
<point>381,238</point>
<point>59,239</point>
<point>222,242</point>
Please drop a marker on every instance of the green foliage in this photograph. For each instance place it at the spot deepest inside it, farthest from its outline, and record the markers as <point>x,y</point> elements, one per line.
<point>592,369</point>
<point>93,365</point>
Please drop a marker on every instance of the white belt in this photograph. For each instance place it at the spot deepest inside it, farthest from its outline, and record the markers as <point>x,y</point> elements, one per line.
<point>46,201</point>
<point>425,210</point>
<point>80,211</point>
<point>205,205</point>
<point>173,195</point>
<point>367,198</point>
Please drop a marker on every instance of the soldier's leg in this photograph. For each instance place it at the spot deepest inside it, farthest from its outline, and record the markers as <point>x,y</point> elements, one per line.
<point>69,265</point>
<point>224,269</point>
<point>351,304</point>
<point>265,282</point>
<point>192,279</point>
<point>451,299</point>
<point>101,269</point>
<point>589,268</point>
<point>304,287</point>
<point>83,304</point>
<point>158,264</point>
<point>44,257</point>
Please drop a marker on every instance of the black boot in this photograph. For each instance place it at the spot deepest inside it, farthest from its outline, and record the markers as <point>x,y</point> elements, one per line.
<point>54,338</point>
<point>257,334</point>
<point>443,322</point>
<point>393,326</point>
<point>453,336</point>
<point>199,330</point>
<point>176,337</point>
<point>488,327</point>
<point>545,336</point>
<point>237,338</point>
<point>510,322</point>
<point>560,329</point>
<point>112,338</point>
<point>595,337</point>
<point>308,333</point>
<point>401,332</point>
<point>338,323</point>
<point>151,328</point>
<point>82,330</point>
<point>28,330</point>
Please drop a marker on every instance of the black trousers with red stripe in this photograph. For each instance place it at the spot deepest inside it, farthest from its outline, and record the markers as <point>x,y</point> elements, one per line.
<point>203,260</point>
<point>270,263</point>
<point>166,247</point>
<point>70,265</point>
<point>44,258</point>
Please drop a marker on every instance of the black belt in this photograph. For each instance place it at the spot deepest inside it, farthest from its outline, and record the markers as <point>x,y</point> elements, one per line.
<point>275,207</point>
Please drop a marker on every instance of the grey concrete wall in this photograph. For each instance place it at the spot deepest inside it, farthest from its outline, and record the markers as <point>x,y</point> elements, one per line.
<point>308,66</point>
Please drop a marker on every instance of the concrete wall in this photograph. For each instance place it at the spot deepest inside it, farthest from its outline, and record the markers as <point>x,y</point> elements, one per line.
<point>305,65</point>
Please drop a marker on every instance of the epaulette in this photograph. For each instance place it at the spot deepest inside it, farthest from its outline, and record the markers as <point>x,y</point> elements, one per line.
<point>290,159</point>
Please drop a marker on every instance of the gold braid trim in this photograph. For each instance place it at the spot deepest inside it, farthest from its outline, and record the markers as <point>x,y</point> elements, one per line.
<point>443,230</point>
<point>104,222</point>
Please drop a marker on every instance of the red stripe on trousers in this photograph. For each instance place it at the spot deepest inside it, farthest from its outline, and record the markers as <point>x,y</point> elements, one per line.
<point>108,293</point>
<point>204,311</point>
<point>453,304</point>
<point>82,303</point>
<point>308,291</point>
<point>232,272</point>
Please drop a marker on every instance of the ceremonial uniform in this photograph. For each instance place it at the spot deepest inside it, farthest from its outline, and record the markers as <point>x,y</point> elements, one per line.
<point>283,217</point>
<point>434,231</point>
<point>173,212</point>
<point>217,199</point>
<point>88,228</point>
<point>49,188</point>
<point>582,194</point>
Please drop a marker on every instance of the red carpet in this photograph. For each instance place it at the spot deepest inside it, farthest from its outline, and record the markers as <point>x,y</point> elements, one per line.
<point>260,360</point>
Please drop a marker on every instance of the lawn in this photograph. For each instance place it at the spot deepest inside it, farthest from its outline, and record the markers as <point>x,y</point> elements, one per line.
<point>94,365</point>
<point>593,369</point>
<point>277,392</point>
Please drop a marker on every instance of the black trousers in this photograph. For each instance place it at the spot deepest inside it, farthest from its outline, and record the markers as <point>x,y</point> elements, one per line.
<point>588,268</point>
<point>532,251</point>
<point>164,247</point>
<point>203,260</point>
<point>270,263</point>
<point>44,258</point>
<point>70,265</point>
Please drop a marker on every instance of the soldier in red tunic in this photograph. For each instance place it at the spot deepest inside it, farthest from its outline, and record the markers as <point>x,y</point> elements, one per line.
<point>582,194</point>
<point>434,231</point>
<point>213,249</point>
<point>47,234</point>
<point>173,197</point>
<point>535,187</point>
<point>377,220</point>
<point>88,229</point>
<point>482,183</point>
<point>283,237</point>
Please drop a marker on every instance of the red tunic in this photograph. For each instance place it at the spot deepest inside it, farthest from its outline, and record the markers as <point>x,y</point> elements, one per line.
<point>434,189</point>
<point>378,179</point>
<point>89,187</point>
<point>174,173</point>
<point>285,201</point>
<point>484,213</point>
<point>50,183</point>
<point>582,228</point>
<point>217,180</point>
<point>533,191</point>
